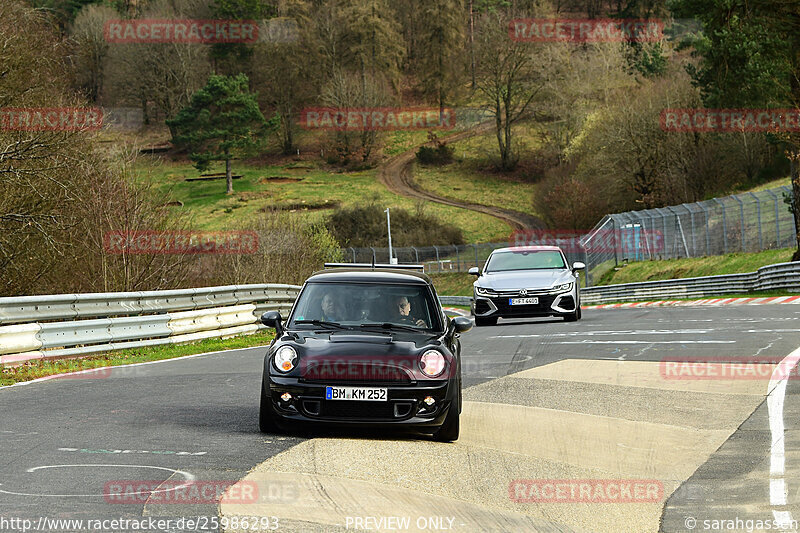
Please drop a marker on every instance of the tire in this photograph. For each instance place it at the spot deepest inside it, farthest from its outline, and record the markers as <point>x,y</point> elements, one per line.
<point>266,416</point>
<point>481,321</point>
<point>572,317</point>
<point>448,432</point>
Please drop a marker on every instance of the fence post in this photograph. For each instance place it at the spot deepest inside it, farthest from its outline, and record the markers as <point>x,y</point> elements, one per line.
<point>416,253</point>
<point>354,253</point>
<point>458,259</point>
<point>475,246</point>
<point>691,222</point>
<point>724,226</point>
<point>741,217</point>
<point>708,238</point>
<point>758,215</point>
<point>373,255</point>
<point>777,219</point>
<point>438,263</point>
<point>614,235</point>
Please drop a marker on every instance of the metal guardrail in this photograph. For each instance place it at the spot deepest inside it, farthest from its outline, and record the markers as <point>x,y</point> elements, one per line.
<point>64,325</point>
<point>781,276</point>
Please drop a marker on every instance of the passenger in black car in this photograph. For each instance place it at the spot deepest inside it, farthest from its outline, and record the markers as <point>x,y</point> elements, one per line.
<point>332,309</point>
<point>401,312</point>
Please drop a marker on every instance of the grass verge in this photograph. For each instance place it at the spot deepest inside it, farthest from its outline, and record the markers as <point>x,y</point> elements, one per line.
<point>694,267</point>
<point>41,368</point>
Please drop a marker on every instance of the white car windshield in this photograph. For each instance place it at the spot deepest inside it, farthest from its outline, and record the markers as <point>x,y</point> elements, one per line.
<point>525,260</point>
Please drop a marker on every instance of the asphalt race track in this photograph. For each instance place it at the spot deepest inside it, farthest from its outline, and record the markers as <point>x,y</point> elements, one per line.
<point>544,400</point>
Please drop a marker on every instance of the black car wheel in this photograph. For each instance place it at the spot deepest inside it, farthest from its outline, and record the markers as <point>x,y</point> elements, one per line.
<point>481,321</point>
<point>448,432</point>
<point>266,416</point>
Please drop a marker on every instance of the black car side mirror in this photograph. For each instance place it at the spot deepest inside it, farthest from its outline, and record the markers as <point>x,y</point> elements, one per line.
<point>272,319</point>
<point>475,271</point>
<point>462,324</point>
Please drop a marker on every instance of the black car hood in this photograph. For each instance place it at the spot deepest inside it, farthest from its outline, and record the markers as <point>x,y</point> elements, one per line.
<point>361,340</point>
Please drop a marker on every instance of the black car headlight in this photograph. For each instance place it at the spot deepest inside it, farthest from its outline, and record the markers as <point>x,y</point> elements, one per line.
<point>285,358</point>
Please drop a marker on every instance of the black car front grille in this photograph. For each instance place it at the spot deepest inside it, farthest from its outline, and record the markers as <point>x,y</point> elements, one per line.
<point>366,410</point>
<point>354,375</point>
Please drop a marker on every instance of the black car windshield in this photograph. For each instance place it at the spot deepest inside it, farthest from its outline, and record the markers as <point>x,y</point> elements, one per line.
<point>357,305</point>
<point>525,260</point>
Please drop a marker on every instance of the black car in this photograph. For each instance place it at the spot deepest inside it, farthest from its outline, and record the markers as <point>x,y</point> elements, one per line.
<point>365,345</point>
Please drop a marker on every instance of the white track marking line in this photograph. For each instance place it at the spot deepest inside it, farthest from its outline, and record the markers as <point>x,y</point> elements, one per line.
<point>187,476</point>
<point>776,395</point>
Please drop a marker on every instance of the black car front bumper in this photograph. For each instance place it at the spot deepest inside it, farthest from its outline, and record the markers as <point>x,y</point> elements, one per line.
<point>404,405</point>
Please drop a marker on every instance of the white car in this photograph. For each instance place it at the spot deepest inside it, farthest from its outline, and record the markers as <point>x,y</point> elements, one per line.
<point>526,281</point>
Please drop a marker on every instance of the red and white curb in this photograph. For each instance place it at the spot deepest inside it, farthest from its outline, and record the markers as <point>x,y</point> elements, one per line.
<point>459,312</point>
<point>707,301</point>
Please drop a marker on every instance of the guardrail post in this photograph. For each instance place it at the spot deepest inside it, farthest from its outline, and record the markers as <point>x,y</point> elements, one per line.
<point>724,226</point>
<point>438,262</point>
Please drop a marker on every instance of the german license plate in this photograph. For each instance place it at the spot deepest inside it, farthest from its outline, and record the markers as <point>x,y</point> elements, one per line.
<point>366,394</point>
<point>523,301</point>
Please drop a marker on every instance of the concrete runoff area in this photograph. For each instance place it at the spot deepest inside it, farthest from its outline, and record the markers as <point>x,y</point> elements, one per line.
<point>341,479</point>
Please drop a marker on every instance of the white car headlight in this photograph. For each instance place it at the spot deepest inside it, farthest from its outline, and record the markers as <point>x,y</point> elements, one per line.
<point>432,363</point>
<point>563,288</point>
<point>485,292</point>
<point>285,358</point>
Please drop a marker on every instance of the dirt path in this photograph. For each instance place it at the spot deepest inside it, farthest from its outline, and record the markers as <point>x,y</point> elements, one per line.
<point>398,176</point>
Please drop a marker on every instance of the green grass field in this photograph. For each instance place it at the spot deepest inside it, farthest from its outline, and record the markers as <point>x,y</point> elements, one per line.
<point>471,177</point>
<point>693,267</point>
<point>301,187</point>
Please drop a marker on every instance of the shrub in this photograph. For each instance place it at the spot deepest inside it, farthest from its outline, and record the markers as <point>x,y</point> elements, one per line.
<point>366,226</point>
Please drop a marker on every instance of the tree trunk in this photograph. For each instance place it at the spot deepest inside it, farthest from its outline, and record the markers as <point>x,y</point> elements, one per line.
<point>228,174</point>
<point>472,43</point>
<point>794,161</point>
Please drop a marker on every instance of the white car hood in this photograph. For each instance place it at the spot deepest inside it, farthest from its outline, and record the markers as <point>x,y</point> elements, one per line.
<point>525,279</point>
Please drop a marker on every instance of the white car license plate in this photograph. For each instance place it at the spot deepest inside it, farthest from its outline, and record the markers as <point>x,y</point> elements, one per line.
<point>523,301</point>
<point>366,394</point>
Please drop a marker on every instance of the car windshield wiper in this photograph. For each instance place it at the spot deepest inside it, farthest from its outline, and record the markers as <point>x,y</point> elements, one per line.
<point>389,325</point>
<point>322,323</point>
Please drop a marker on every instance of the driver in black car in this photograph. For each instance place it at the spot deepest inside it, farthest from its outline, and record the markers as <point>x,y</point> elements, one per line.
<point>401,312</point>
